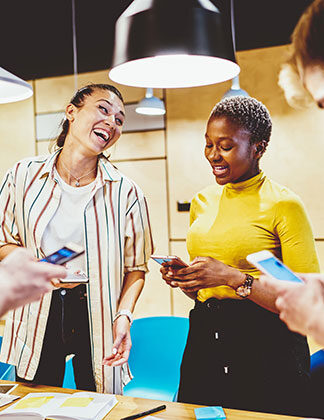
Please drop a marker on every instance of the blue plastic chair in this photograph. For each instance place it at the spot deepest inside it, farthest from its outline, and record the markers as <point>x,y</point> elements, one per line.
<point>69,381</point>
<point>317,383</point>
<point>155,357</point>
<point>7,372</point>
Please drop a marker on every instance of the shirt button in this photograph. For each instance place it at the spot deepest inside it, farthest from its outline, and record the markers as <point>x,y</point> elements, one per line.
<point>216,335</point>
<point>63,292</point>
<point>208,305</point>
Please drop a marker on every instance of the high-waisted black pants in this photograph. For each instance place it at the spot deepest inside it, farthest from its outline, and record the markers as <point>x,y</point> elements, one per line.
<point>239,355</point>
<point>67,332</point>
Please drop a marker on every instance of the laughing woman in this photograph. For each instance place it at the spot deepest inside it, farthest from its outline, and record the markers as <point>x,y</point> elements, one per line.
<point>77,195</point>
<point>238,353</point>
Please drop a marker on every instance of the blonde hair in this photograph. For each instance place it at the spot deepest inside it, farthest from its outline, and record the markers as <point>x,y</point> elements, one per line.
<point>306,48</point>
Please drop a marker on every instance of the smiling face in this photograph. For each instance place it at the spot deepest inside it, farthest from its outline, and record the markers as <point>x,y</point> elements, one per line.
<point>229,151</point>
<point>97,124</point>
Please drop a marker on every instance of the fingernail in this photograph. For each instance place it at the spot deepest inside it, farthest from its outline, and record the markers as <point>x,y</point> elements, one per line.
<point>114,351</point>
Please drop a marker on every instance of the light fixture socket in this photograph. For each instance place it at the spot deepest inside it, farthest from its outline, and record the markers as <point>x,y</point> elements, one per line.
<point>150,105</point>
<point>172,43</point>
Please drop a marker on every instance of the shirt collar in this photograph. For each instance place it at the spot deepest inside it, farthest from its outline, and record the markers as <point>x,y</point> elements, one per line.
<point>107,170</point>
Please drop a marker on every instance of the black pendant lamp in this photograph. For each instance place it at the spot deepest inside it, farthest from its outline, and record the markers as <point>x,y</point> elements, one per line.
<point>172,43</point>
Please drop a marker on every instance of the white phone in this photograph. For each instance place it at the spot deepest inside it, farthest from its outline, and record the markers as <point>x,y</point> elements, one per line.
<point>267,263</point>
<point>64,254</point>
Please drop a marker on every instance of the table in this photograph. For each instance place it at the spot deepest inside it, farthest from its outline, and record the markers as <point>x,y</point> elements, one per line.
<point>130,405</point>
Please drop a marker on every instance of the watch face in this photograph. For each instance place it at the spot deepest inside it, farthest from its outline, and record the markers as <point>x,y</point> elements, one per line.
<point>243,291</point>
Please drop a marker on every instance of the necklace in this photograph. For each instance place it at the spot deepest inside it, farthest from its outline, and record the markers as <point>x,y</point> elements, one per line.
<point>77,179</point>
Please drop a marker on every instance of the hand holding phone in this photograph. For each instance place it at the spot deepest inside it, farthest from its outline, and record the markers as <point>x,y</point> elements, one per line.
<point>171,260</point>
<point>75,277</point>
<point>268,264</point>
<point>64,254</point>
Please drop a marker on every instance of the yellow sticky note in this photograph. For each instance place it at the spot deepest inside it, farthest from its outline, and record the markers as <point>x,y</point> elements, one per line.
<point>77,402</point>
<point>33,402</point>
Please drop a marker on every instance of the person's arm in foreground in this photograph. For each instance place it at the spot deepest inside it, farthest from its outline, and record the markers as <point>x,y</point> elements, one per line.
<point>24,280</point>
<point>132,287</point>
<point>301,306</point>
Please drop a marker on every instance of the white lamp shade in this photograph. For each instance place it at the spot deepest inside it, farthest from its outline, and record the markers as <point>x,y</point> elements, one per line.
<point>151,106</point>
<point>172,44</point>
<point>12,88</point>
<point>174,71</point>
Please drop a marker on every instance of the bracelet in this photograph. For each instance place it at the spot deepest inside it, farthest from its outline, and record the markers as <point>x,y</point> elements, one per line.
<point>125,312</point>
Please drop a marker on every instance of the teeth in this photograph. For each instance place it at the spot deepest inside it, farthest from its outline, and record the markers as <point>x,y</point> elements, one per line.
<point>102,133</point>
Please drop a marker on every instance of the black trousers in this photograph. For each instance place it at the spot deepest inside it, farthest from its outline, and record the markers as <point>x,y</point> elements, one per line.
<point>239,355</point>
<point>67,332</point>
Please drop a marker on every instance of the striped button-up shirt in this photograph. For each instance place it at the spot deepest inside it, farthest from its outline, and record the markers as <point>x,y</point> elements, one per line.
<point>117,239</point>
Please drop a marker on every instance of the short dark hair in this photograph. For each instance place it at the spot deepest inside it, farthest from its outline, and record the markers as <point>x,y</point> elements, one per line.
<point>78,101</point>
<point>248,113</point>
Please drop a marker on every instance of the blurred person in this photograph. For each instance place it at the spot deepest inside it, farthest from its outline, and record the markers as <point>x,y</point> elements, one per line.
<point>239,354</point>
<point>23,279</point>
<point>302,79</point>
<point>76,195</point>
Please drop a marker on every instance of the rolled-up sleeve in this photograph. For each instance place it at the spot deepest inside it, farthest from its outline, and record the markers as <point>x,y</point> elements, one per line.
<point>8,228</point>
<point>138,241</point>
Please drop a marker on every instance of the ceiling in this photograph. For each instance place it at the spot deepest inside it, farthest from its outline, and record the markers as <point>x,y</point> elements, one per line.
<point>36,36</point>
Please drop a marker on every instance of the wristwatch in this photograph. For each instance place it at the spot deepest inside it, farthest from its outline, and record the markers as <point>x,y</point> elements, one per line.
<point>246,287</point>
<point>125,312</point>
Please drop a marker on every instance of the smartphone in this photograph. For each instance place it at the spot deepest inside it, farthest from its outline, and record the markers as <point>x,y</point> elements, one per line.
<point>172,259</point>
<point>80,277</point>
<point>267,263</point>
<point>65,254</point>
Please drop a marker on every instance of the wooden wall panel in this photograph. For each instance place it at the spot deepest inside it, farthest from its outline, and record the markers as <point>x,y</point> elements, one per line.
<point>140,145</point>
<point>151,177</point>
<point>17,133</point>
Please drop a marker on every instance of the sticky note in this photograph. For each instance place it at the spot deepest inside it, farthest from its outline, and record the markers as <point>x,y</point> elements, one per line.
<point>210,413</point>
<point>77,402</point>
<point>33,402</point>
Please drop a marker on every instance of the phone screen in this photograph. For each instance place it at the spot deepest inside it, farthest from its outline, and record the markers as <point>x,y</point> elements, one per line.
<point>61,256</point>
<point>278,270</point>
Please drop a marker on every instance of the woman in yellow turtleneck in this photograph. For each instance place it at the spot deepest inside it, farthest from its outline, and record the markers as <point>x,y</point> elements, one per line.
<point>239,354</point>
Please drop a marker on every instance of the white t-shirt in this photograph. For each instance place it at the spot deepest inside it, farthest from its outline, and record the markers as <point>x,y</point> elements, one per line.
<point>67,223</point>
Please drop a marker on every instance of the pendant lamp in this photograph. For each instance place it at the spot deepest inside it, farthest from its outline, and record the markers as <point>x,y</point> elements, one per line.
<point>235,89</point>
<point>172,43</point>
<point>12,88</point>
<point>150,105</point>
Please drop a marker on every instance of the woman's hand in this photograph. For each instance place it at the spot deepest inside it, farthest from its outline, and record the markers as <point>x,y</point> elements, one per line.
<point>57,283</point>
<point>122,343</point>
<point>203,272</point>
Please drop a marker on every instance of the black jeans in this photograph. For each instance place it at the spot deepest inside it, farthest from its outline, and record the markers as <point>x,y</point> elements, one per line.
<point>239,355</point>
<point>67,332</point>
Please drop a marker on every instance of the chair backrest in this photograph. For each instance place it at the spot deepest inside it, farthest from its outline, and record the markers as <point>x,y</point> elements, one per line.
<point>155,358</point>
<point>7,372</point>
<point>317,383</point>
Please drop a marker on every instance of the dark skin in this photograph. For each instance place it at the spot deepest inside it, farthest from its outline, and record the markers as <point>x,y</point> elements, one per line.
<point>233,158</point>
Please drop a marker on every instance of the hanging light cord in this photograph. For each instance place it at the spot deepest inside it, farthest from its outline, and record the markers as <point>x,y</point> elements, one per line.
<point>232,25</point>
<point>75,59</point>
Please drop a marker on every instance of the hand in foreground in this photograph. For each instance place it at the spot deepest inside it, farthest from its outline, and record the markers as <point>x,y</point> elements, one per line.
<point>122,343</point>
<point>23,279</point>
<point>202,273</point>
<point>301,306</point>
<point>64,285</point>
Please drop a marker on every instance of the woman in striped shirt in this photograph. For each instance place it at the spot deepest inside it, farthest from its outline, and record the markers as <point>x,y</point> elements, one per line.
<point>76,194</point>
